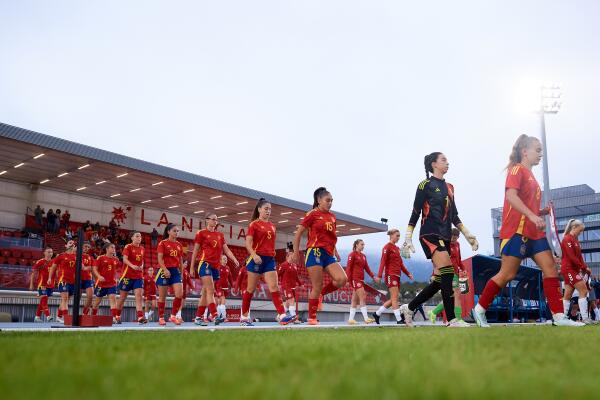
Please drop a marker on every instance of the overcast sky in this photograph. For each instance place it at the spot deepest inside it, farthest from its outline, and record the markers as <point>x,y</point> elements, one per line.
<point>285,96</point>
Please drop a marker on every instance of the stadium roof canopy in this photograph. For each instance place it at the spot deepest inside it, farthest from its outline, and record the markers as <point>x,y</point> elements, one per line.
<point>38,159</point>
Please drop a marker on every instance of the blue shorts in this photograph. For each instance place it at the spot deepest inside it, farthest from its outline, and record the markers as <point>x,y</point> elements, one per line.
<point>205,269</point>
<point>175,277</point>
<point>44,291</point>
<point>105,291</point>
<point>318,256</point>
<point>521,247</point>
<point>267,265</point>
<point>128,284</point>
<point>66,287</point>
<point>88,283</point>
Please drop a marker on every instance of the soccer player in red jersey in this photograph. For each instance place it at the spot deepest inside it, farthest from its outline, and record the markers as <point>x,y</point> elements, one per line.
<point>149,294</point>
<point>188,284</point>
<point>65,263</point>
<point>170,261</point>
<point>321,253</point>
<point>242,280</point>
<point>132,277</point>
<point>391,264</point>
<point>260,243</point>
<point>435,204</point>
<point>459,271</point>
<point>288,277</point>
<point>355,270</point>
<point>209,244</point>
<point>39,275</point>
<point>574,269</point>
<point>222,287</point>
<point>522,233</point>
<point>87,284</point>
<point>104,271</point>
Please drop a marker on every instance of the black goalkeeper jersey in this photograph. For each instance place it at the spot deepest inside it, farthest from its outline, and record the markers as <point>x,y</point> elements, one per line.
<point>434,203</point>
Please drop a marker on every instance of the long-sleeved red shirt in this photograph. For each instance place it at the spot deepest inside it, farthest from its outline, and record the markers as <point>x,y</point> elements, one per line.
<point>288,275</point>
<point>357,266</point>
<point>572,259</point>
<point>224,281</point>
<point>391,262</point>
<point>456,258</point>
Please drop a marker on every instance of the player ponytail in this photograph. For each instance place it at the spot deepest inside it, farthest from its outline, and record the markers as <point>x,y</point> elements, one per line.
<point>429,159</point>
<point>318,194</point>
<point>523,142</point>
<point>573,223</point>
<point>167,230</point>
<point>355,244</point>
<point>259,204</point>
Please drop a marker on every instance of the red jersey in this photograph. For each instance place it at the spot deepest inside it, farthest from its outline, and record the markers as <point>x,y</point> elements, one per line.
<point>107,268</point>
<point>66,267</point>
<point>391,262</point>
<point>224,281</point>
<point>513,222</point>
<point>187,281</point>
<point>149,286</point>
<point>86,261</point>
<point>456,258</point>
<point>172,253</point>
<point>43,268</point>
<point>263,237</point>
<point>242,279</point>
<point>288,275</point>
<point>135,255</point>
<point>211,246</point>
<point>321,230</point>
<point>357,266</point>
<point>572,259</point>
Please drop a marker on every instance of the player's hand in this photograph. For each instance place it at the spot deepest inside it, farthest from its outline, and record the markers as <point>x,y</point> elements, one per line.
<point>257,260</point>
<point>49,283</point>
<point>546,210</point>
<point>472,239</point>
<point>296,257</point>
<point>236,263</point>
<point>539,222</point>
<point>412,278</point>
<point>166,273</point>
<point>377,280</point>
<point>407,248</point>
<point>101,279</point>
<point>192,272</point>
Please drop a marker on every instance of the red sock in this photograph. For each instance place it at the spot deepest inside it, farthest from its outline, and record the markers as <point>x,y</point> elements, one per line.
<point>490,291</point>
<point>38,310</point>
<point>140,314</point>
<point>329,289</point>
<point>161,309</point>
<point>212,309</point>
<point>312,308</point>
<point>114,312</point>
<point>86,310</point>
<point>246,299</point>
<point>276,296</point>
<point>118,313</point>
<point>176,306</point>
<point>553,297</point>
<point>200,311</point>
<point>44,305</point>
<point>59,314</point>
<point>94,311</point>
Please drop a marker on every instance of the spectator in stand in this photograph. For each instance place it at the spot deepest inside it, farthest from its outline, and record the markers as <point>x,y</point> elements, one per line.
<point>112,227</point>
<point>86,225</point>
<point>97,226</point>
<point>50,217</point>
<point>153,237</point>
<point>69,233</point>
<point>57,220</point>
<point>66,218</point>
<point>39,215</point>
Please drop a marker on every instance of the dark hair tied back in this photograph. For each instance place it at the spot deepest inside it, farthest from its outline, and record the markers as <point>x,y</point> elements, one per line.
<point>167,229</point>
<point>429,159</point>
<point>320,192</point>
<point>255,214</point>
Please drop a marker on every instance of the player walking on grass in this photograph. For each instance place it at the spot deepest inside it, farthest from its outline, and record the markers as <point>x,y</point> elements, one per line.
<point>65,263</point>
<point>87,283</point>
<point>321,253</point>
<point>210,245</point>
<point>435,205</point>
<point>133,277</point>
<point>149,294</point>
<point>391,264</point>
<point>104,271</point>
<point>356,267</point>
<point>289,282</point>
<point>39,275</point>
<point>260,243</point>
<point>459,271</point>
<point>574,269</point>
<point>222,287</point>
<point>522,233</point>
<point>170,262</point>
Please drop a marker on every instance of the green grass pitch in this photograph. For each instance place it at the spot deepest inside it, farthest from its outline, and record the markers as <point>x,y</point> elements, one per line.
<point>502,362</point>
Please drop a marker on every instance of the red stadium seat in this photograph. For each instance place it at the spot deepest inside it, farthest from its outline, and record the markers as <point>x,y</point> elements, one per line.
<point>3,260</point>
<point>11,261</point>
<point>27,255</point>
<point>24,262</point>
<point>16,253</point>
<point>5,253</point>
